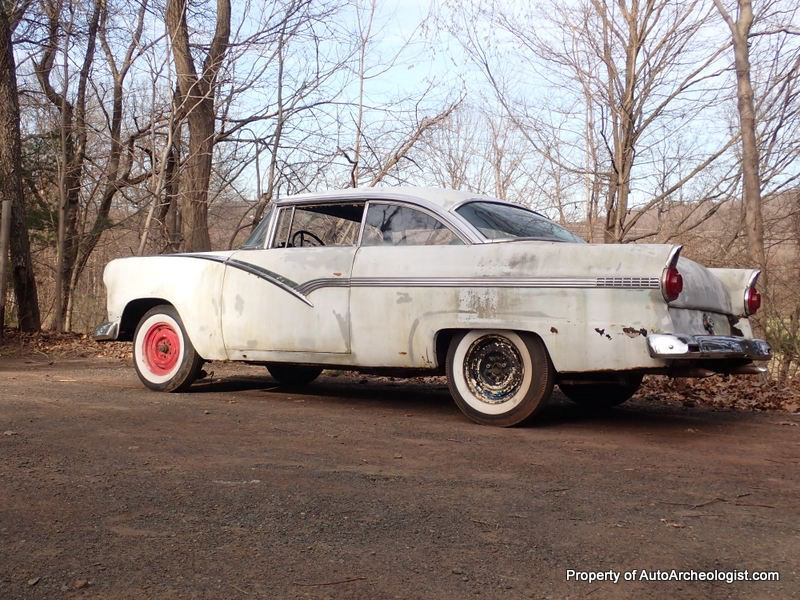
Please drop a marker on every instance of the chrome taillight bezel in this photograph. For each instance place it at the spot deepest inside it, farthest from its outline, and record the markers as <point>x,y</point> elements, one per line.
<point>748,293</point>
<point>670,274</point>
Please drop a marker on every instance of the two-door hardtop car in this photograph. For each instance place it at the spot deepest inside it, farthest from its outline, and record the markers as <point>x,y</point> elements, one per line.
<point>504,301</point>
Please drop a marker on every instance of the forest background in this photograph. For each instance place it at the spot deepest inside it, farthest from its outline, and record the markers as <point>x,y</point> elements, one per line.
<point>131,127</point>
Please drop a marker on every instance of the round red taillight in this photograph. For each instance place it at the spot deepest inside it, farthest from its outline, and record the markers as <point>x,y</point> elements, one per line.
<point>752,300</point>
<point>671,284</point>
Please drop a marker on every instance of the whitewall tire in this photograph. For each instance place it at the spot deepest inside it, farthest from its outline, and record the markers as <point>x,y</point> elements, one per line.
<point>499,377</point>
<point>163,355</point>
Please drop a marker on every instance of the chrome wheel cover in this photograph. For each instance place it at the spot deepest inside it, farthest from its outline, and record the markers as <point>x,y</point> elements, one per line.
<point>493,369</point>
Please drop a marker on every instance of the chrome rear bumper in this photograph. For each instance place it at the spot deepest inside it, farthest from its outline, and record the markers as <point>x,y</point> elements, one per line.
<point>677,346</point>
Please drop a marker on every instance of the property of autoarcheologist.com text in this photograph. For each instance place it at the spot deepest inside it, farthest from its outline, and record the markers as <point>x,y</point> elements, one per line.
<point>670,575</point>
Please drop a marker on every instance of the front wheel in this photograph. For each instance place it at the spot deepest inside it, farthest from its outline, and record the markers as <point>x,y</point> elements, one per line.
<point>499,377</point>
<point>163,355</point>
<point>603,395</point>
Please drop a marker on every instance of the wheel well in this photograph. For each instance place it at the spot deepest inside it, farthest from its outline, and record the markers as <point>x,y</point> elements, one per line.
<point>133,313</point>
<point>444,336</point>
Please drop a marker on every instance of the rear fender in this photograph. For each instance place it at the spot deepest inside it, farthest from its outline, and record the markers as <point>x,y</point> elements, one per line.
<point>736,282</point>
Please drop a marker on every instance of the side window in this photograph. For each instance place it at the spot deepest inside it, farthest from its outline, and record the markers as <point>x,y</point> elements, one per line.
<point>396,225</point>
<point>318,225</point>
<point>282,227</point>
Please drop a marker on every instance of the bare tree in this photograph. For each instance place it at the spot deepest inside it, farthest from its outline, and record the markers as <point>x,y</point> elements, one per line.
<point>15,230</point>
<point>73,132</point>
<point>95,152</point>
<point>117,172</point>
<point>751,190</point>
<point>622,70</point>
<point>198,91</point>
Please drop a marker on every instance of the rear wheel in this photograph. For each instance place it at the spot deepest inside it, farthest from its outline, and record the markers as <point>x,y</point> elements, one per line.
<point>163,355</point>
<point>603,395</point>
<point>499,377</point>
<point>293,374</point>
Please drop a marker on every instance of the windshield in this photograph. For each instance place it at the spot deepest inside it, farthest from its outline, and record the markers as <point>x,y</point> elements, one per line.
<point>498,221</point>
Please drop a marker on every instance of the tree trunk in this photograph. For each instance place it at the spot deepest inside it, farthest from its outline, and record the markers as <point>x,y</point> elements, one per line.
<point>11,182</point>
<point>750,161</point>
<point>194,212</point>
<point>751,180</point>
<point>198,94</point>
<point>5,232</point>
<point>169,215</point>
<point>624,123</point>
<point>22,270</point>
<point>73,141</point>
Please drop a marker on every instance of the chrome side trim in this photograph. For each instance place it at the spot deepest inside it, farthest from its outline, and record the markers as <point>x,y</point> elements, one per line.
<point>678,346</point>
<point>318,284</point>
<point>754,278</point>
<point>282,282</point>
<point>287,285</point>
<point>301,291</point>
<point>484,282</point>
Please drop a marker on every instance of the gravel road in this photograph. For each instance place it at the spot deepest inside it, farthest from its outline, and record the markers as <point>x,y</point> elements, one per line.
<point>372,488</point>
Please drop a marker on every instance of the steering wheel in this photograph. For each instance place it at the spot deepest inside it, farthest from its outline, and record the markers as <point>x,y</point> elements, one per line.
<point>301,235</point>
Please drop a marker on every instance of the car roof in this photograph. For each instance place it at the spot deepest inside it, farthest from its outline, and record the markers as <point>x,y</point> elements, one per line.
<point>439,198</point>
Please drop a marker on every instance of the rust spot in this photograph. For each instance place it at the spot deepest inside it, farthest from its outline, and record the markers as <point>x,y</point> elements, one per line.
<point>553,330</point>
<point>403,353</point>
<point>632,332</point>
<point>337,274</point>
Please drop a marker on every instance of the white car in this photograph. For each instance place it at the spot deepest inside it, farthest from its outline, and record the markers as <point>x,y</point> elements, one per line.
<point>409,280</point>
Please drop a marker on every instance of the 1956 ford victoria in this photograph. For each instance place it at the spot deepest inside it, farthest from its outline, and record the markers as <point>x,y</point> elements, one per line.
<point>502,300</point>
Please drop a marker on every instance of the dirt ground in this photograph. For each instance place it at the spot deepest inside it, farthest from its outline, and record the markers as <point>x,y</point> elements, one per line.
<point>367,488</point>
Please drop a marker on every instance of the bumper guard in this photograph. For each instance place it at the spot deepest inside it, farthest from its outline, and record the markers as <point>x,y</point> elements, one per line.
<point>107,332</point>
<point>677,346</point>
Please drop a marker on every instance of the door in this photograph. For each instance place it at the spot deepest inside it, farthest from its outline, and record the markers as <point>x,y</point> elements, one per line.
<point>399,284</point>
<point>294,295</point>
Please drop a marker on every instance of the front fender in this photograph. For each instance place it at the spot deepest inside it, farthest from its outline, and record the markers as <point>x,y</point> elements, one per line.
<point>191,285</point>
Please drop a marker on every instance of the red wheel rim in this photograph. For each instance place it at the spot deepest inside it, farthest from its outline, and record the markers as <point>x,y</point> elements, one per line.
<point>162,348</point>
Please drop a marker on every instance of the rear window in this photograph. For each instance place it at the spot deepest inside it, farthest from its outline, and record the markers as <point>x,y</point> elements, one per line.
<point>395,225</point>
<point>498,221</point>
